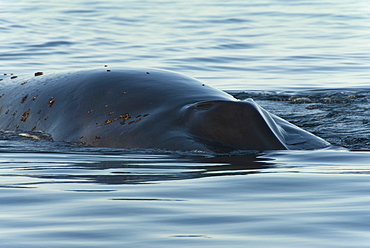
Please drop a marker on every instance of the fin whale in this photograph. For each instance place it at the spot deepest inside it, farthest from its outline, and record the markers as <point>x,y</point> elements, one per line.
<point>143,108</point>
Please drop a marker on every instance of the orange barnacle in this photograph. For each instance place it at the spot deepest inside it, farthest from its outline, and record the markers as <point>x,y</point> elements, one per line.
<point>134,121</point>
<point>125,116</point>
<point>24,98</point>
<point>25,115</point>
<point>96,139</point>
<point>107,122</point>
<point>51,102</point>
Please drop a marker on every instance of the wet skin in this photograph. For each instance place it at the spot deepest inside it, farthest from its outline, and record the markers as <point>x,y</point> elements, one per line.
<point>143,108</point>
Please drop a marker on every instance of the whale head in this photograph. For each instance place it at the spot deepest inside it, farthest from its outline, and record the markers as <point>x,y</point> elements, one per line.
<point>229,125</point>
<point>232,125</point>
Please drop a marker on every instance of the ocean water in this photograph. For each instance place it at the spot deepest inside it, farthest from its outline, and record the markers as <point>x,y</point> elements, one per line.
<point>307,61</point>
<point>234,45</point>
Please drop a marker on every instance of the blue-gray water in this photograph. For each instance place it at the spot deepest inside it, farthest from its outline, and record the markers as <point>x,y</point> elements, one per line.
<point>307,61</point>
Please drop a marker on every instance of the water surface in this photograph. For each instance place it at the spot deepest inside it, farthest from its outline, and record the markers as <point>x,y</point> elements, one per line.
<point>233,45</point>
<point>306,61</point>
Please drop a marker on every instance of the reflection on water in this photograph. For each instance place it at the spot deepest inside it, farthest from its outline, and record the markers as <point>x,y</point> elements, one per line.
<point>116,198</point>
<point>30,169</point>
<point>130,168</point>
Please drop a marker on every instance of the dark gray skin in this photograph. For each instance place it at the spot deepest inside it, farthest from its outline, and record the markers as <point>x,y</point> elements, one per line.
<point>136,108</point>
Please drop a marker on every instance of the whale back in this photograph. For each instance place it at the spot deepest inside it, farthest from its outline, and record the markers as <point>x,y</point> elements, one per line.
<point>136,108</point>
<point>114,108</point>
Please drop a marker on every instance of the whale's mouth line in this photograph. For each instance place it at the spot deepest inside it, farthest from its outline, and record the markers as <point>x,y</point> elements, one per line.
<point>204,105</point>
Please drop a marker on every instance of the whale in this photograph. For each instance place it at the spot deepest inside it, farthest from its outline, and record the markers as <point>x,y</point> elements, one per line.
<point>143,108</point>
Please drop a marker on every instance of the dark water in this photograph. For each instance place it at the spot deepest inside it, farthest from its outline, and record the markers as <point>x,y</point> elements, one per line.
<point>306,61</point>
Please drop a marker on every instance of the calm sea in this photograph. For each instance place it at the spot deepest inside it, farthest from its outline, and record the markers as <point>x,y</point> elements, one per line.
<point>307,61</point>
